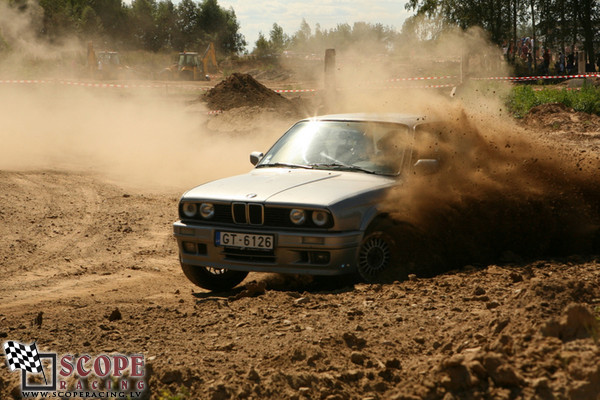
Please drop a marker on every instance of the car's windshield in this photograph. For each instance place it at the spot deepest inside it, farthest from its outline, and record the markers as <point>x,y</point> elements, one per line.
<point>370,147</point>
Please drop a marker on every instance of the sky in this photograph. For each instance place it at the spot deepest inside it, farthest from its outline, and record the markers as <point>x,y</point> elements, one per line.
<point>255,17</point>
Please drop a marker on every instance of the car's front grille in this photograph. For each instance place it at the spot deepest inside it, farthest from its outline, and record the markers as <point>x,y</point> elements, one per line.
<point>248,213</point>
<point>275,216</point>
<point>238,210</point>
<point>256,214</point>
<point>223,214</point>
<point>261,256</point>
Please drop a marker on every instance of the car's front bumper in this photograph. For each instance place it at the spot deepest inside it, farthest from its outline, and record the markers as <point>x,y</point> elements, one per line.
<point>322,253</point>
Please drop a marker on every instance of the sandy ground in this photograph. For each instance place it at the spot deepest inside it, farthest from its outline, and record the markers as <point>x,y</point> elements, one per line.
<point>76,247</point>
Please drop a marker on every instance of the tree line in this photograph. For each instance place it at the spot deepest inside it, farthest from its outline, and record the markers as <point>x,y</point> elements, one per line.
<point>360,36</point>
<point>559,25</point>
<point>144,24</point>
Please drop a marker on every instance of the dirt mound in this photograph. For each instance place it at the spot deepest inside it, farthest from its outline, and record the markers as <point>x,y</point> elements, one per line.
<point>240,90</point>
<point>558,117</point>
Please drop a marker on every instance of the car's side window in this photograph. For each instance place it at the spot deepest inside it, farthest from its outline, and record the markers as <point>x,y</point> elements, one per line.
<point>429,138</point>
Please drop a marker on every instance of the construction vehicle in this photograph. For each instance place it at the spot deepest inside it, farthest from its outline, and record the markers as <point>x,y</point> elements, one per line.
<point>104,64</point>
<point>192,67</point>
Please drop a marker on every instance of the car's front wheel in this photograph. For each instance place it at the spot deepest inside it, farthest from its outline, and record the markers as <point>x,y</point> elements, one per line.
<point>215,279</point>
<point>379,256</point>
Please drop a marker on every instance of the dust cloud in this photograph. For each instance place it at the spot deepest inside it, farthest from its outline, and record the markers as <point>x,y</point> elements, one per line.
<point>24,56</point>
<point>137,139</point>
<point>153,138</point>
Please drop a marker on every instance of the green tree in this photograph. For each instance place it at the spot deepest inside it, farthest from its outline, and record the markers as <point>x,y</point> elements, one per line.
<point>57,18</point>
<point>145,31</point>
<point>278,40</point>
<point>113,17</point>
<point>221,27</point>
<point>231,40</point>
<point>300,39</point>
<point>188,25</point>
<point>90,24</point>
<point>166,21</point>
<point>262,47</point>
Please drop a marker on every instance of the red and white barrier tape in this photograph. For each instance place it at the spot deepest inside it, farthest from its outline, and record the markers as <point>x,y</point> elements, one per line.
<point>425,78</point>
<point>24,81</point>
<point>190,87</point>
<point>535,78</point>
<point>406,87</point>
<point>104,85</point>
<point>294,90</point>
<point>129,86</point>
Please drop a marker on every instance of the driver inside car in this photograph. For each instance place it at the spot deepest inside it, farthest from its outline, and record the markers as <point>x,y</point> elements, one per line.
<point>390,151</point>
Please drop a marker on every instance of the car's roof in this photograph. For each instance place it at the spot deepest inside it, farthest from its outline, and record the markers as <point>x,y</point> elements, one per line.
<point>408,119</point>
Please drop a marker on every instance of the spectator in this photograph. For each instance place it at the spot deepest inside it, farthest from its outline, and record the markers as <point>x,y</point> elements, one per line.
<point>524,51</point>
<point>546,56</point>
<point>570,63</point>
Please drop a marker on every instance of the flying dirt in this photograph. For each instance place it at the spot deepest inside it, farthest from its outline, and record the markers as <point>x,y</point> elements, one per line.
<point>502,190</point>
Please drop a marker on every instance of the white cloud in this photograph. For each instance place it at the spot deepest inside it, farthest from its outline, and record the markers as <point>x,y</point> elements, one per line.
<point>255,17</point>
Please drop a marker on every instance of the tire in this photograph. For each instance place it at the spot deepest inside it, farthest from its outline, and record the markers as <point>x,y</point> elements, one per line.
<point>380,256</point>
<point>187,75</point>
<point>214,279</point>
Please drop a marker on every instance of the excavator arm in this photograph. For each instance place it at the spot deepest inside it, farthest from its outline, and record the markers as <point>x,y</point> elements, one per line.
<point>209,55</point>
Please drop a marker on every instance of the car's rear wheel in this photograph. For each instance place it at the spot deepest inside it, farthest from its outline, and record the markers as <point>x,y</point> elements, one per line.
<point>380,256</point>
<point>215,279</point>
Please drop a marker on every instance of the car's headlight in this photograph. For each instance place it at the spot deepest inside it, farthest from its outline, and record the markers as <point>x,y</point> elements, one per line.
<point>189,209</point>
<point>320,218</point>
<point>297,216</point>
<point>207,210</point>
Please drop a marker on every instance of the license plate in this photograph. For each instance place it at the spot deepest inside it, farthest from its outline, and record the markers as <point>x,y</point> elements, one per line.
<point>244,240</point>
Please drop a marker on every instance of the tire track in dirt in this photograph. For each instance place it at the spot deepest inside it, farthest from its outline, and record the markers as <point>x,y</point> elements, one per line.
<point>77,234</point>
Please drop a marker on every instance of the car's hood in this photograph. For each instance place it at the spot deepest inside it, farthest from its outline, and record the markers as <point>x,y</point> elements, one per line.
<point>290,185</point>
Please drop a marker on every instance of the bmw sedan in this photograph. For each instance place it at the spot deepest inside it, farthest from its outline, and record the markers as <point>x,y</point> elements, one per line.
<point>311,205</point>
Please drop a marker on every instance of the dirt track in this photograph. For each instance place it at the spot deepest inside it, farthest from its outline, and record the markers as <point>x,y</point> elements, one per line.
<point>77,247</point>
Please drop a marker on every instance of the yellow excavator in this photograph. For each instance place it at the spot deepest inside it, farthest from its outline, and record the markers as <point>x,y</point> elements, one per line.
<point>104,64</point>
<point>191,67</point>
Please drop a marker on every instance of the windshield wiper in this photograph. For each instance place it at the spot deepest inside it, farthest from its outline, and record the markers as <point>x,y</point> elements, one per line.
<point>345,167</point>
<point>279,164</point>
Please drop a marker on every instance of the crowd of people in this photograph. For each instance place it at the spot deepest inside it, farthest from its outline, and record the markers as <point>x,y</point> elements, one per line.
<point>564,64</point>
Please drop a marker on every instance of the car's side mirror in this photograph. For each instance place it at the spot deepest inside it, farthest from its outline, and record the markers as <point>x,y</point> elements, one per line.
<point>427,166</point>
<point>255,157</point>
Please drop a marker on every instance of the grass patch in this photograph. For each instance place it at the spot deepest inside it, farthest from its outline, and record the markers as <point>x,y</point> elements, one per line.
<point>523,98</point>
<point>182,394</point>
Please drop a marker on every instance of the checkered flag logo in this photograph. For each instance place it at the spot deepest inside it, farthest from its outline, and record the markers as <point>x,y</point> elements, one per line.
<point>21,356</point>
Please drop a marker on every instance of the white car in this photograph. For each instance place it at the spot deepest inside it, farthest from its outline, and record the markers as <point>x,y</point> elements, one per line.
<point>311,205</point>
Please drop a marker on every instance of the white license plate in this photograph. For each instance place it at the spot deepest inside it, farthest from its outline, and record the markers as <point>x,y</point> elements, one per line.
<point>244,240</point>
